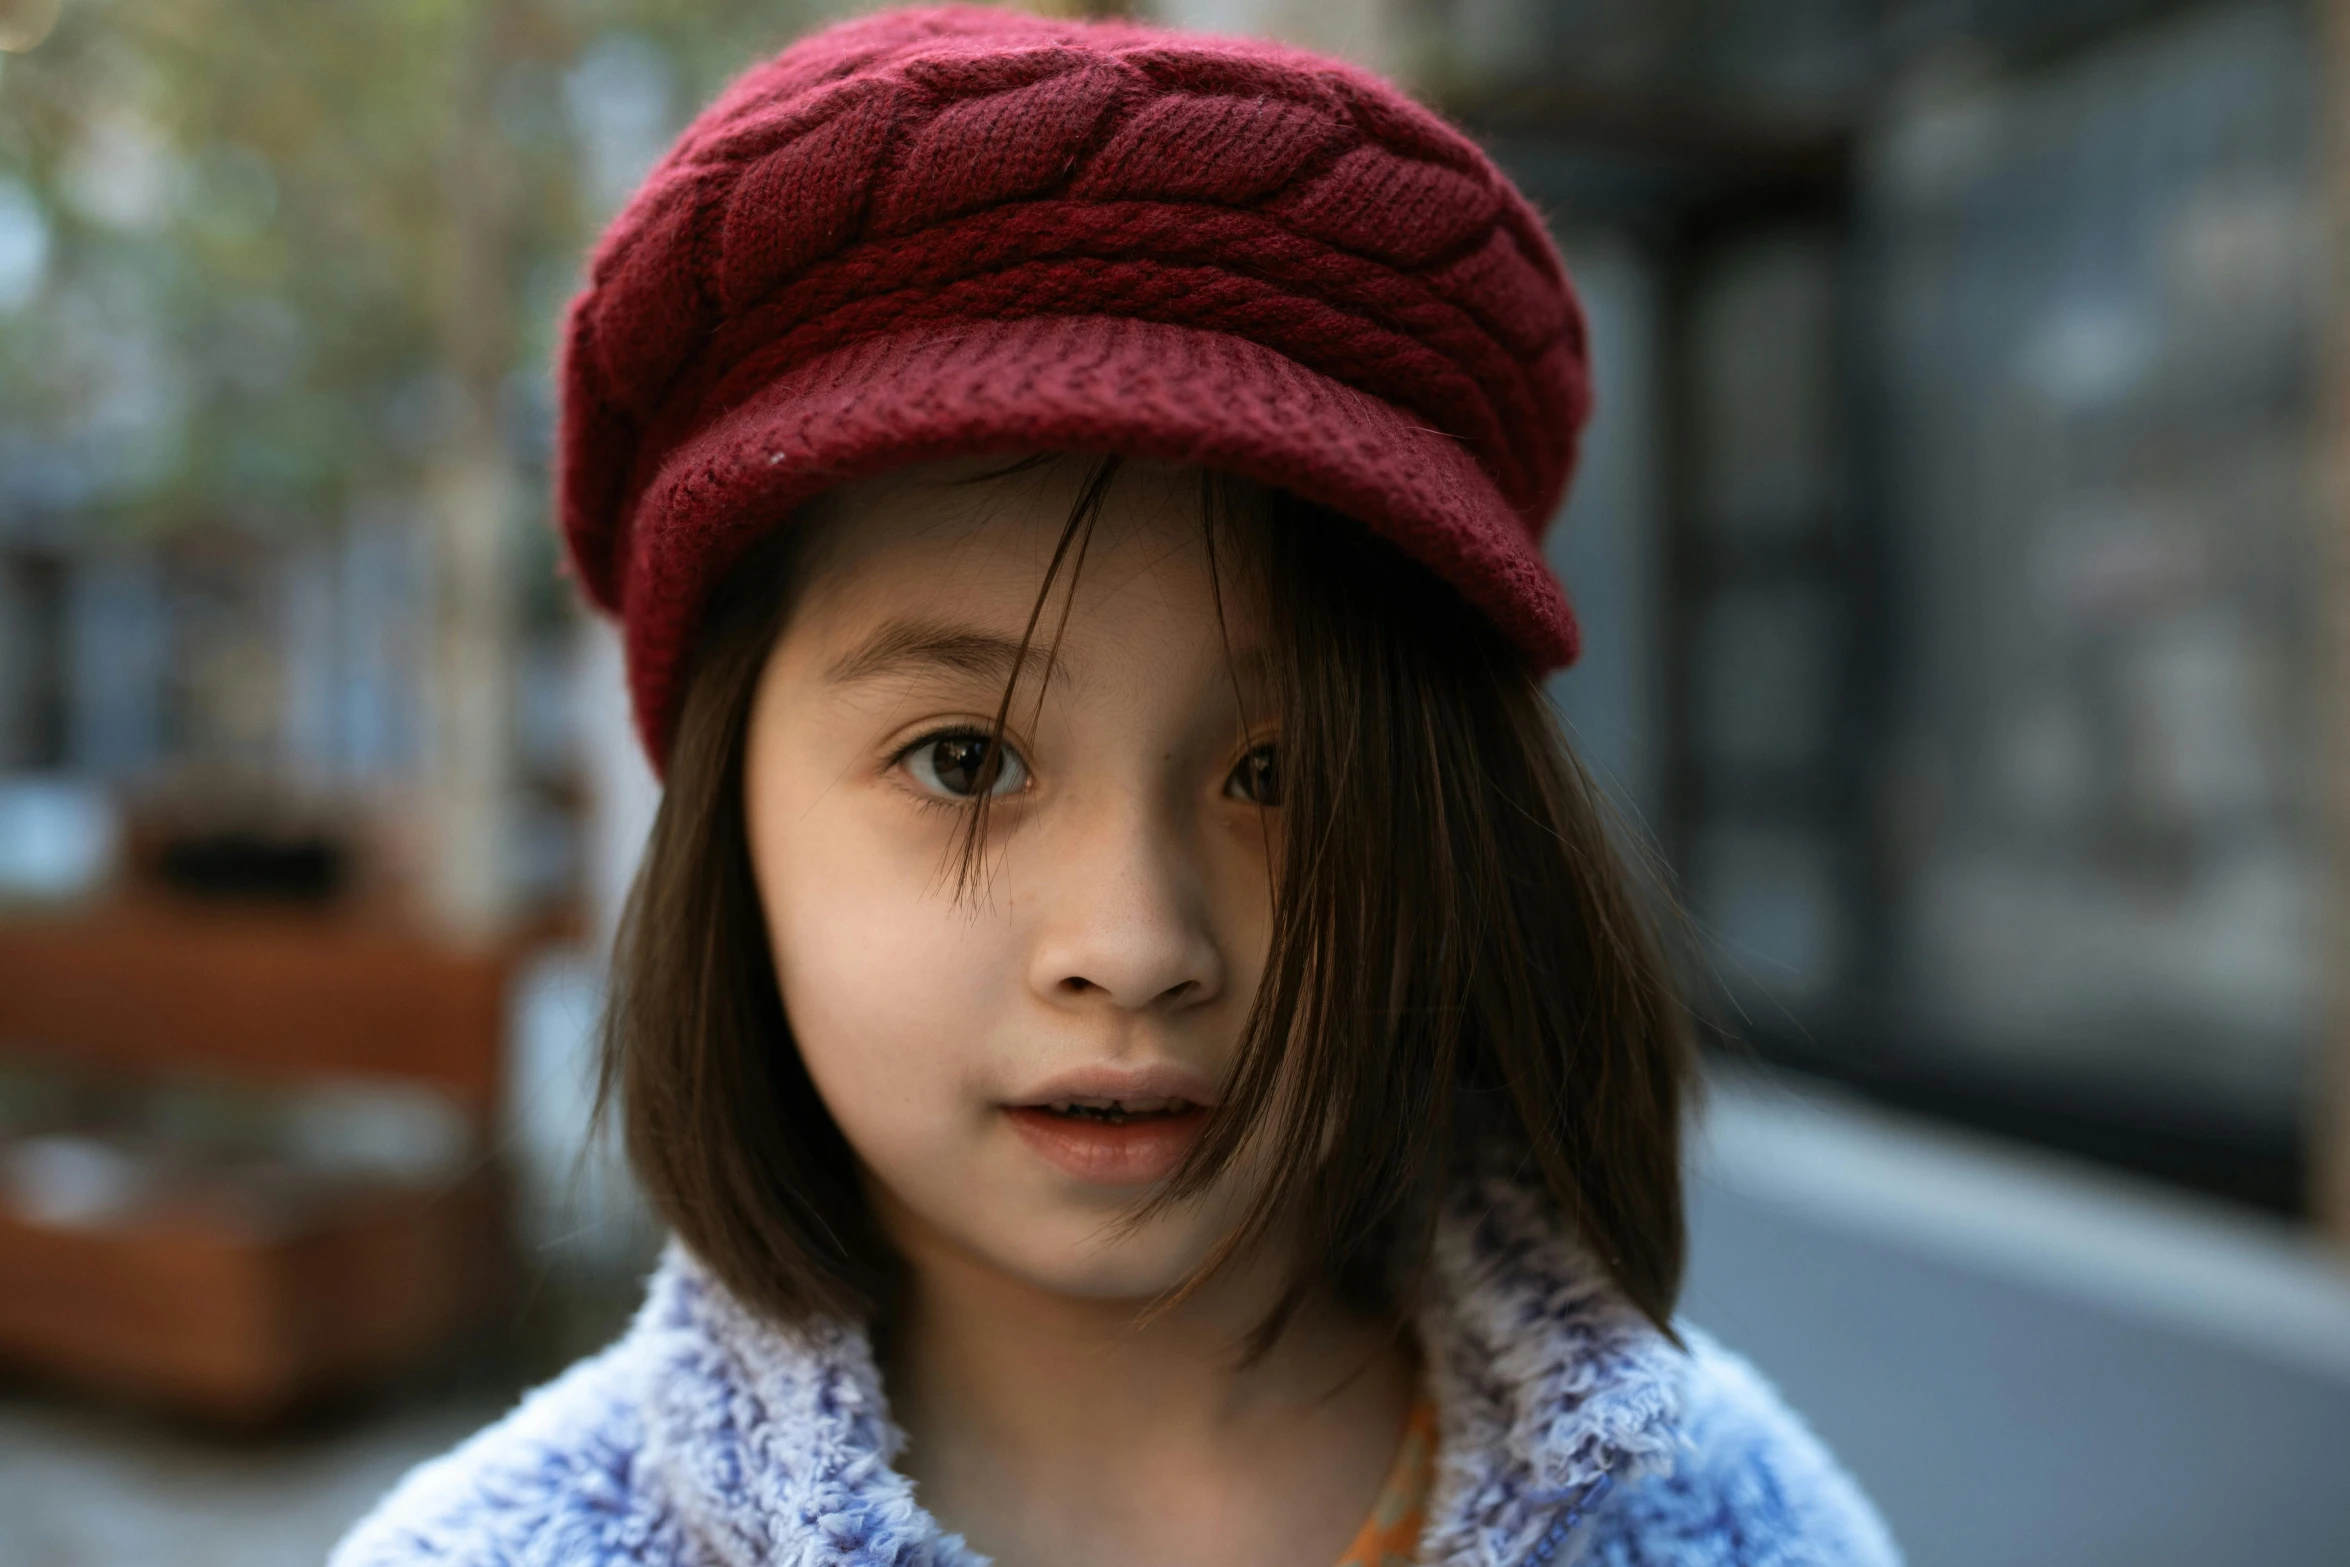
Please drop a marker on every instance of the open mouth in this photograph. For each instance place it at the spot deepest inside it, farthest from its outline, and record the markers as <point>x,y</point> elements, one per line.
<point>1117,1112</point>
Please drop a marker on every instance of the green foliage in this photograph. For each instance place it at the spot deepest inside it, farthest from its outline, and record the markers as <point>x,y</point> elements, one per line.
<point>259,256</point>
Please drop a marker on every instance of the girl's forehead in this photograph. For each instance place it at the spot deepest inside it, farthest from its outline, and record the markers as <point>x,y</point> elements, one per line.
<point>965,548</point>
<point>980,530</point>
<point>1001,496</point>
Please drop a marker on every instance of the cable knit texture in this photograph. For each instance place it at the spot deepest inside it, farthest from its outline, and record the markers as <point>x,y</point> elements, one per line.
<point>956,231</point>
<point>1570,1432</point>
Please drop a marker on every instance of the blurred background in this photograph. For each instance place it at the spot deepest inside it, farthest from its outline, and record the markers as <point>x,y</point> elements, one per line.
<point>1961,552</point>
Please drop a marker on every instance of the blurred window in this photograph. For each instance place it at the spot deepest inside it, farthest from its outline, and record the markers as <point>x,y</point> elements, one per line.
<point>2096,312</point>
<point>1968,408</point>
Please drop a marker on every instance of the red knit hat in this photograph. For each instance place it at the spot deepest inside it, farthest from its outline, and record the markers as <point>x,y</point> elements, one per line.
<point>950,232</point>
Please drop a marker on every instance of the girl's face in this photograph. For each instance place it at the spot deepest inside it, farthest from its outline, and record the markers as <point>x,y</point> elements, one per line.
<point>1016,1064</point>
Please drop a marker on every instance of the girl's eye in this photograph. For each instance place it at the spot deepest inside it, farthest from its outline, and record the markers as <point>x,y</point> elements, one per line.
<point>1257,779</point>
<point>965,763</point>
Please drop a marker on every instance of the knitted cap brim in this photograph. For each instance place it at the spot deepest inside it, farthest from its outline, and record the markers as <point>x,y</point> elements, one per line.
<point>1093,384</point>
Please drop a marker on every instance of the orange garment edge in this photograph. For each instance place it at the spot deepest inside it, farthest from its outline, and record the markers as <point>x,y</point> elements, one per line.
<point>1390,1537</point>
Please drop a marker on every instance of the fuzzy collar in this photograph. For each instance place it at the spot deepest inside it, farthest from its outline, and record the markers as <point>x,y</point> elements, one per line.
<point>774,1448</point>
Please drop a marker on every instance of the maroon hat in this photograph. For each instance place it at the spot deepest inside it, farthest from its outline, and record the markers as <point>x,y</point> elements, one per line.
<point>950,232</point>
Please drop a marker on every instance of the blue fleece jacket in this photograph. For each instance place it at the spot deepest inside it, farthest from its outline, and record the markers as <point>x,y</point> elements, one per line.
<point>1570,1431</point>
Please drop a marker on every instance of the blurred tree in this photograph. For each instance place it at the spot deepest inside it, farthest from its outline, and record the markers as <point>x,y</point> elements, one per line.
<point>264,260</point>
<point>278,238</point>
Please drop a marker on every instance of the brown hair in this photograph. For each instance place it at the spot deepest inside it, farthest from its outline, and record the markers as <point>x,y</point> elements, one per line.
<point>1461,969</point>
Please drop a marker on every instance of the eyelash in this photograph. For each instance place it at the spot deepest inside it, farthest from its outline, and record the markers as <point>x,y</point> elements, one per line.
<point>906,754</point>
<point>1267,776</point>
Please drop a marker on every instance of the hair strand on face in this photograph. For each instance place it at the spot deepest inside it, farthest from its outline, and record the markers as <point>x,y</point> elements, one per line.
<point>967,858</point>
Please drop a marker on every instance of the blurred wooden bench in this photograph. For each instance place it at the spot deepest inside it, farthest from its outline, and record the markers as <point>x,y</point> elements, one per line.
<point>246,1322</point>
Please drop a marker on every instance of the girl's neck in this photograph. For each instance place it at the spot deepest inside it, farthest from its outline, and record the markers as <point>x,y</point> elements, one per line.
<point>1052,1430</point>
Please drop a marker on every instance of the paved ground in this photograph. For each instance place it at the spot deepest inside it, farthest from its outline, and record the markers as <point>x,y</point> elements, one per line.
<point>82,1488</point>
<point>2028,1363</point>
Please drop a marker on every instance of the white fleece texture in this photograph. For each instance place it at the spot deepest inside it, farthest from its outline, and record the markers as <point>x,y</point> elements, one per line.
<point>1571,1431</point>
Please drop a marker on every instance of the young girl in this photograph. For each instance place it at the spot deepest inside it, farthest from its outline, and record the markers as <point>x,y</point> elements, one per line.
<point>1128,1010</point>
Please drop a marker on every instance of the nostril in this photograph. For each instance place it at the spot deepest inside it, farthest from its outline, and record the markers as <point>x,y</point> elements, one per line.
<point>1078,984</point>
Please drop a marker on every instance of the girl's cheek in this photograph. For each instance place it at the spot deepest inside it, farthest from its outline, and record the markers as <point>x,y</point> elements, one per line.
<point>887,982</point>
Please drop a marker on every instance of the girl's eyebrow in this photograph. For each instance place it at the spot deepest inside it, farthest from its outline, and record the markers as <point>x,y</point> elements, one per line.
<point>905,645</point>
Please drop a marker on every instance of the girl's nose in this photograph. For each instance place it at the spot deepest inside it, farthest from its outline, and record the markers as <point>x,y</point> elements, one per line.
<point>1126,922</point>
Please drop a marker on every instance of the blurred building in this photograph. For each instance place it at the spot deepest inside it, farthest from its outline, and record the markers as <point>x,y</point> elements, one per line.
<point>1953,541</point>
<point>1951,545</point>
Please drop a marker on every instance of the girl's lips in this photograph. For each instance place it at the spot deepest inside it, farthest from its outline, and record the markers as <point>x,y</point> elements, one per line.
<point>1133,1152</point>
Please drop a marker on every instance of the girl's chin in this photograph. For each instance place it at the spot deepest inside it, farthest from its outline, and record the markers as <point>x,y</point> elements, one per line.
<point>1106,1279</point>
<point>1085,1251</point>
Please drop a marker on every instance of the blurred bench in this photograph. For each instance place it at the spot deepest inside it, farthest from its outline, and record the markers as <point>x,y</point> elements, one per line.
<point>234,1319</point>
